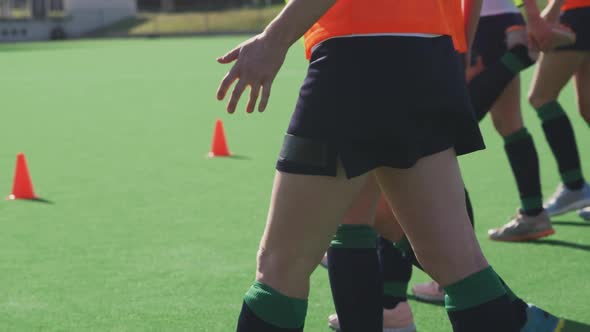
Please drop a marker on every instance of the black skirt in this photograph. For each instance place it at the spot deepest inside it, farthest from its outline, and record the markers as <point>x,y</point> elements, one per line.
<point>379,101</point>
<point>578,20</point>
<point>490,39</point>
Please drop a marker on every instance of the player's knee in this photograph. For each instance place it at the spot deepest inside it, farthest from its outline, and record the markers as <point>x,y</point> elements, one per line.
<point>505,128</point>
<point>283,265</point>
<point>537,100</point>
<point>448,268</point>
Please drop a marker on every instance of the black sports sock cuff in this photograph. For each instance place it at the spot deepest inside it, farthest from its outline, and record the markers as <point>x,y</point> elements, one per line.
<point>354,236</point>
<point>550,111</point>
<point>517,136</point>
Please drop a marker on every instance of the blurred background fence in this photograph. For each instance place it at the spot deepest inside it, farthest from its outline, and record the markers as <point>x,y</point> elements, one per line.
<point>59,19</point>
<point>178,17</point>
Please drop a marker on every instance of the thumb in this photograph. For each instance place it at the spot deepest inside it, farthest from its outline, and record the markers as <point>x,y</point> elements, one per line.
<point>230,57</point>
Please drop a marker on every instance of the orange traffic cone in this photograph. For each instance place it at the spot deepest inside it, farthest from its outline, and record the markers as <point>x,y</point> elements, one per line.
<point>23,186</point>
<point>219,147</point>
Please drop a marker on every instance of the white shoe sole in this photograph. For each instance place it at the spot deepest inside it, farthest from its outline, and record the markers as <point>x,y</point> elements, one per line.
<point>578,205</point>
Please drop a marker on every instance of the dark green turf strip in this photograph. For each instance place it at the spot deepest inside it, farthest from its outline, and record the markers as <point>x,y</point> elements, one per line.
<point>145,233</point>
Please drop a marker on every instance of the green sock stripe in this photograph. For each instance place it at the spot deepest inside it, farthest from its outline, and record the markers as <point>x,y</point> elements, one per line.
<point>550,111</point>
<point>477,289</point>
<point>275,308</point>
<point>404,246</point>
<point>354,237</point>
<point>571,176</point>
<point>398,289</point>
<point>531,203</point>
<point>512,62</point>
<point>519,135</point>
<point>509,292</point>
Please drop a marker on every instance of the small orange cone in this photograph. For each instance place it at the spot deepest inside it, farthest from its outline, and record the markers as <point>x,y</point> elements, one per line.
<point>23,186</point>
<point>219,147</point>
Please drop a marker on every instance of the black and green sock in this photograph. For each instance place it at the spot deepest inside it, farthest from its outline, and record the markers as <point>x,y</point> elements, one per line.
<point>524,161</point>
<point>357,296</point>
<point>396,269</point>
<point>517,59</point>
<point>266,310</point>
<point>480,303</point>
<point>560,136</point>
<point>519,307</point>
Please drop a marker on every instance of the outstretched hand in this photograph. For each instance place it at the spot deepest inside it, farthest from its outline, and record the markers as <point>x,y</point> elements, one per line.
<point>257,62</point>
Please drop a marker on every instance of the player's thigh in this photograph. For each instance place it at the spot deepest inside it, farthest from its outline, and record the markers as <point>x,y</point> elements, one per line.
<point>506,112</point>
<point>386,223</point>
<point>582,79</point>
<point>429,202</point>
<point>304,214</point>
<point>553,71</point>
<point>363,208</point>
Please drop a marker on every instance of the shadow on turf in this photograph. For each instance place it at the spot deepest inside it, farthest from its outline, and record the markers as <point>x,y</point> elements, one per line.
<point>37,200</point>
<point>572,223</point>
<point>573,326</point>
<point>239,157</point>
<point>560,243</point>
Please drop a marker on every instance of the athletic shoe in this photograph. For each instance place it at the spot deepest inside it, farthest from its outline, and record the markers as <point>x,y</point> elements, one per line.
<point>523,228</point>
<point>538,320</point>
<point>429,292</point>
<point>585,213</point>
<point>565,200</point>
<point>517,35</point>
<point>398,319</point>
<point>324,262</point>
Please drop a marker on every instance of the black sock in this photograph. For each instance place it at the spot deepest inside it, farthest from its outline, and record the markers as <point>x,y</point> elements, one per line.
<point>249,322</point>
<point>519,307</point>
<point>480,303</point>
<point>357,287</point>
<point>493,316</point>
<point>560,136</point>
<point>396,269</point>
<point>487,86</point>
<point>522,155</point>
<point>266,310</point>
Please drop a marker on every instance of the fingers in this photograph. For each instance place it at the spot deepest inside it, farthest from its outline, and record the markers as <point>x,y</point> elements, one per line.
<point>229,57</point>
<point>265,96</point>
<point>227,81</point>
<point>254,92</point>
<point>235,96</point>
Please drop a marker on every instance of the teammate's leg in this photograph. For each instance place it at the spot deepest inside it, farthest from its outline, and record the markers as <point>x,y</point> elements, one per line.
<point>353,266</point>
<point>300,224</point>
<point>582,79</point>
<point>531,222</point>
<point>488,85</point>
<point>553,72</point>
<point>429,201</point>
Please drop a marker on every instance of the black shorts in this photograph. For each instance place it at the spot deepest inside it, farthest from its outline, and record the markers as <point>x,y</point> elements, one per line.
<point>490,39</point>
<point>578,20</point>
<point>379,101</point>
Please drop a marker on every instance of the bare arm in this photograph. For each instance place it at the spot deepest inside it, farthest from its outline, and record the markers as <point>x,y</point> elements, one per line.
<point>471,12</point>
<point>259,59</point>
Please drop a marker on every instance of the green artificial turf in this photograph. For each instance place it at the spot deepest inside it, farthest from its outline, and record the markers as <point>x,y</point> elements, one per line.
<point>144,233</point>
